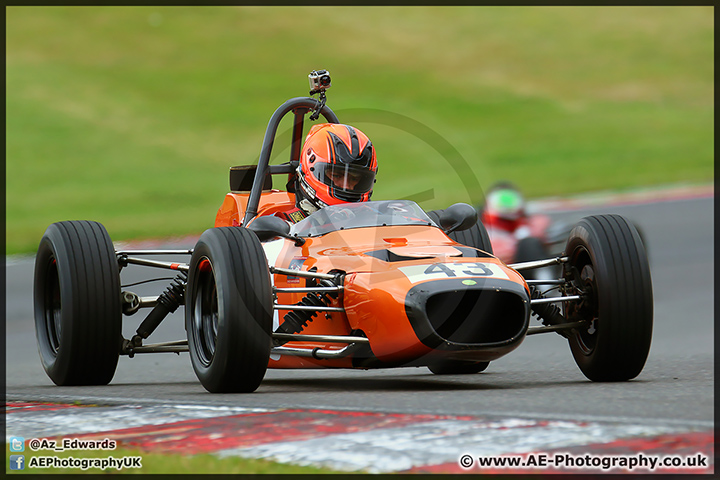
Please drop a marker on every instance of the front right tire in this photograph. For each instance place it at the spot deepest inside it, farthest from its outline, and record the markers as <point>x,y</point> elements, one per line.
<point>78,315</point>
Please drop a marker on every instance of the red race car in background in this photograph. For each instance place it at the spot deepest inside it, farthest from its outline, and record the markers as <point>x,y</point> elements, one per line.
<point>519,236</point>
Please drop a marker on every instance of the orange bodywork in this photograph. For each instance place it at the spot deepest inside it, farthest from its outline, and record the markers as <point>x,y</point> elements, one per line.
<point>374,292</point>
<point>231,212</point>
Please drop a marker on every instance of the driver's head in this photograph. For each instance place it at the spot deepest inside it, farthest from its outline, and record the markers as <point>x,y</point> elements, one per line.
<point>505,201</point>
<point>337,165</point>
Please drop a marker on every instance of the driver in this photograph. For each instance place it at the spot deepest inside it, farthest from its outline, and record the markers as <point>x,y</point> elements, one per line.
<point>337,165</point>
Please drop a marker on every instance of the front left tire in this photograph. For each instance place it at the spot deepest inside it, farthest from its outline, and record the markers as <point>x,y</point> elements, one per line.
<point>607,261</point>
<point>228,311</point>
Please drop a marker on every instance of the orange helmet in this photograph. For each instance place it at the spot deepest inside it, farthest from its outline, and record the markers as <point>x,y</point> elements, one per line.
<point>337,165</point>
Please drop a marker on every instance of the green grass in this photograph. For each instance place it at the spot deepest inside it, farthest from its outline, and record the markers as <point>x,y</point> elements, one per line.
<point>169,464</point>
<point>132,115</point>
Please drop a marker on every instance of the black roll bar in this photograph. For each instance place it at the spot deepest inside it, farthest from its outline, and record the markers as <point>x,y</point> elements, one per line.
<point>300,106</point>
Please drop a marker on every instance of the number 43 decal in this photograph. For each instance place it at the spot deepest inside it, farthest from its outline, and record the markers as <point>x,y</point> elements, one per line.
<point>418,273</point>
<point>472,269</point>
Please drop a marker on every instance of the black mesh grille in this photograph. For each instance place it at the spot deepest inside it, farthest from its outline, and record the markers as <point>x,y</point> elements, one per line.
<point>476,316</point>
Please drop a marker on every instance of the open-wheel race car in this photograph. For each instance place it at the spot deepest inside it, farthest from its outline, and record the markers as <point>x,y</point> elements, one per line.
<point>357,285</point>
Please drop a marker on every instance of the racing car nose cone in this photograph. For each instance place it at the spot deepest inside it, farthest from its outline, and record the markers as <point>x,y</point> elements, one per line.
<point>468,314</point>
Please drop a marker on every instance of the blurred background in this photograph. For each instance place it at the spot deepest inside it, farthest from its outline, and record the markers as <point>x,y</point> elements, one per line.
<point>132,116</point>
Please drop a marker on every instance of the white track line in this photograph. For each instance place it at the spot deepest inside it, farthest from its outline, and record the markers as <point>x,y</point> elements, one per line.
<point>500,414</point>
<point>91,419</point>
<point>433,443</point>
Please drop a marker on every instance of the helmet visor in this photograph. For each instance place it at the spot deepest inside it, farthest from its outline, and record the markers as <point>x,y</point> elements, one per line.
<point>345,177</point>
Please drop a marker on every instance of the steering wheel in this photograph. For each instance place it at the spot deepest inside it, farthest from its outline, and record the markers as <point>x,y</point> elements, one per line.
<point>341,215</point>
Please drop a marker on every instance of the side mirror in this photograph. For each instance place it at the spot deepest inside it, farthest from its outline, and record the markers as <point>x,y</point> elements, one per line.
<point>457,217</point>
<point>268,227</point>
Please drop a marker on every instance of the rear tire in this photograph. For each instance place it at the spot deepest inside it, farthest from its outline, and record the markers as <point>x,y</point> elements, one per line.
<point>530,249</point>
<point>606,258</point>
<point>475,236</point>
<point>78,315</point>
<point>451,367</point>
<point>228,312</point>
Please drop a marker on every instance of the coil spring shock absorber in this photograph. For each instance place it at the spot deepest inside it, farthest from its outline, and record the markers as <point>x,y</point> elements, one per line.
<point>548,313</point>
<point>296,320</point>
<point>167,303</point>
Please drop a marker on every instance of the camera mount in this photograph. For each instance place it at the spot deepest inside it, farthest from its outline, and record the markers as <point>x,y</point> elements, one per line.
<point>319,82</point>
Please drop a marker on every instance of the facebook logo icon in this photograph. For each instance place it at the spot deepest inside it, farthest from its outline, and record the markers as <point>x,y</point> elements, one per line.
<point>17,462</point>
<point>17,444</point>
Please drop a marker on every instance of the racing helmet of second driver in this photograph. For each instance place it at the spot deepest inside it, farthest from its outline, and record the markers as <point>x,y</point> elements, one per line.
<point>337,165</point>
<point>504,201</point>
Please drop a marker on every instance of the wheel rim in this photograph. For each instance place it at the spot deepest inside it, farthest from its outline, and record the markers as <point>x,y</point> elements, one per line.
<point>205,314</point>
<point>53,307</point>
<point>588,309</point>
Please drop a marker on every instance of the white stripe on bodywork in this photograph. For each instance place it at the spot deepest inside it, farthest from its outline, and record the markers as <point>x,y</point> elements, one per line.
<point>445,270</point>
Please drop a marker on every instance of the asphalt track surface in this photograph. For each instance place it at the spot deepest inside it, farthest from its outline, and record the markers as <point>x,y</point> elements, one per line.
<point>538,380</point>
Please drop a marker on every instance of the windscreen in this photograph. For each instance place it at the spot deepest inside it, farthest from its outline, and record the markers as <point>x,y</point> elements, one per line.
<point>360,215</point>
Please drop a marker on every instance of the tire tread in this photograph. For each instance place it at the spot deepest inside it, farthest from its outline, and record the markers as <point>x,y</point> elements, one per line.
<point>91,311</point>
<point>625,299</point>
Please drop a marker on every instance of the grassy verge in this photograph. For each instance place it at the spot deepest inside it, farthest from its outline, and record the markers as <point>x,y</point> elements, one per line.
<point>131,116</point>
<point>156,463</point>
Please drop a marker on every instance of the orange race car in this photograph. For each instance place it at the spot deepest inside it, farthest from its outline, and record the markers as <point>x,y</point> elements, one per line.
<point>356,285</point>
